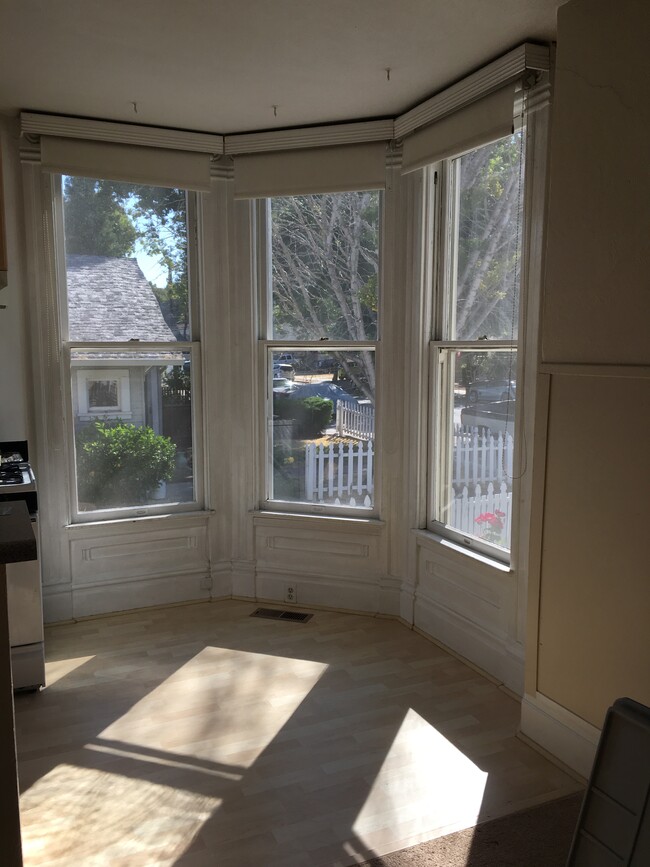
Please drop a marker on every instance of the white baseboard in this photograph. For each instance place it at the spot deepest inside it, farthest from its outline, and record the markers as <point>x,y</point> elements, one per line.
<point>558,731</point>
<point>326,591</point>
<point>389,597</point>
<point>407,603</point>
<point>221,574</point>
<point>243,579</point>
<point>57,603</point>
<point>106,598</point>
<point>492,653</point>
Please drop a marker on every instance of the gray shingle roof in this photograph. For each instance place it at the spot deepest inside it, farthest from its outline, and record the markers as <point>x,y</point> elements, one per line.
<point>110,299</point>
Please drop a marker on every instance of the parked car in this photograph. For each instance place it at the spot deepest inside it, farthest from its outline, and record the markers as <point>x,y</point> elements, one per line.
<point>282,385</point>
<point>326,364</point>
<point>497,416</point>
<point>491,390</point>
<point>284,370</point>
<point>287,358</point>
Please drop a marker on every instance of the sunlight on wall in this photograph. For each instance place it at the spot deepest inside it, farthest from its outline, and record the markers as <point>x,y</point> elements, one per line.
<point>425,785</point>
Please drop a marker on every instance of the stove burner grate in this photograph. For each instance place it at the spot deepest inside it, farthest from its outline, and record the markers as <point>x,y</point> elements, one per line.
<point>11,476</point>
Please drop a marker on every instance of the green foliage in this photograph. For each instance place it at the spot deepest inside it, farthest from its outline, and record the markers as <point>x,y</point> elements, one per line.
<point>96,222</point>
<point>177,382</point>
<point>111,218</point>
<point>312,414</point>
<point>316,415</point>
<point>283,407</point>
<point>161,217</point>
<point>120,464</point>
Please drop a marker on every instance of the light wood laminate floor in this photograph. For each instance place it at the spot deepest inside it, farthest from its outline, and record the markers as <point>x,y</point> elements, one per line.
<point>198,735</point>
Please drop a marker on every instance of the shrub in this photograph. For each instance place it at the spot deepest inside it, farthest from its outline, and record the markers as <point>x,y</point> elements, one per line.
<point>120,464</point>
<point>311,413</point>
<point>316,415</point>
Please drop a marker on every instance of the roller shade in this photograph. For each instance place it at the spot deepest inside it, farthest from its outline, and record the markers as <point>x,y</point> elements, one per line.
<point>315,170</point>
<point>479,123</point>
<point>156,167</point>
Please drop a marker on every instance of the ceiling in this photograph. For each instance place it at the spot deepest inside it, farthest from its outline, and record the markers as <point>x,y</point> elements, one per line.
<point>222,66</point>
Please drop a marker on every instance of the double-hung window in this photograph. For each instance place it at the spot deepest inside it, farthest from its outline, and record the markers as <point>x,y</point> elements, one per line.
<point>320,303</point>
<point>474,347</point>
<point>319,227</point>
<point>129,340</point>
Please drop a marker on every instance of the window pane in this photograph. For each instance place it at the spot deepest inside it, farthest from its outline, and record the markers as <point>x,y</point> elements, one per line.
<point>325,266</point>
<point>103,393</point>
<point>132,418</point>
<point>477,444</point>
<point>322,427</point>
<point>126,261</point>
<point>487,235</point>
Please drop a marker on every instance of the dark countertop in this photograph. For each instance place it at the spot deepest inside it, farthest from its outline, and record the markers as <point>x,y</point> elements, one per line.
<point>17,542</point>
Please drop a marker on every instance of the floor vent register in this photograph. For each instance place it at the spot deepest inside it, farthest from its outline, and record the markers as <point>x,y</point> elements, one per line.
<point>274,614</point>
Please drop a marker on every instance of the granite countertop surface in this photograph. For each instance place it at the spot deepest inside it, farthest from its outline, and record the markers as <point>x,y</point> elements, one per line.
<point>17,541</point>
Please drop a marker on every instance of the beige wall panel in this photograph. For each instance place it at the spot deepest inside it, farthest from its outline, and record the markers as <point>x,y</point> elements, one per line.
<point>597,296</point>
<point>594,636</point>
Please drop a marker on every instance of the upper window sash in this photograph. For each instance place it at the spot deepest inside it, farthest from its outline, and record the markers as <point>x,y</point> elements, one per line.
<point>320,267</point>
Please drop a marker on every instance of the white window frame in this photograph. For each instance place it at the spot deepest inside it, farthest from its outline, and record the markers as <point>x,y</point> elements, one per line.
<point>267,347</point>
<point>66,347</point>
<point>440,200</point>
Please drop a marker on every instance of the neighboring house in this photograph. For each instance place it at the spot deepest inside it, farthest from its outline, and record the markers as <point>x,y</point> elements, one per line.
<point>110,300</point>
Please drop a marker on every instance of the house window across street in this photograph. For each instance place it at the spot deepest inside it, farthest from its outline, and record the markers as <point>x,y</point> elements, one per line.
<point>103,393</point>
<point>128,332</point>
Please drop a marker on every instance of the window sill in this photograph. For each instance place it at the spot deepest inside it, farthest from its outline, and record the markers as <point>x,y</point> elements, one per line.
<point>345,523</point>
<point>166,517</point>
<point>433,540</point>
<point>104,415</point>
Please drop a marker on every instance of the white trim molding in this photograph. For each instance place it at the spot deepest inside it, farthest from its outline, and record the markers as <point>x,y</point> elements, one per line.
<point>526,58</point>
<point>122,133</point>
<point>309,137</point>
<point>561,733</point>
<point>513,65</point>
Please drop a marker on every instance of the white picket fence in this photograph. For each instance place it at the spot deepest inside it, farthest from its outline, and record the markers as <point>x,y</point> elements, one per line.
<point>464,510</point>
<point>342,474</point>
<point>481,457</point>
<point>339,472</point>
<point>353,420</point>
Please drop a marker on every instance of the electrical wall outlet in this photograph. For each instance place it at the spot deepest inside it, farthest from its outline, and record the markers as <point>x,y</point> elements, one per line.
<point>290,593</point>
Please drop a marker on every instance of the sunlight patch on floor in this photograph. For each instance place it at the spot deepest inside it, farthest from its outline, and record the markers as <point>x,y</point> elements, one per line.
<point>230,705</point>
<point>87,816</point>
<point>60,668</point>
<point>425,785</point>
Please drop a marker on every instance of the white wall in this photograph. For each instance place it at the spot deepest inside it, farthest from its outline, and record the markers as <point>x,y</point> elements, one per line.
<point>588,617</point>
